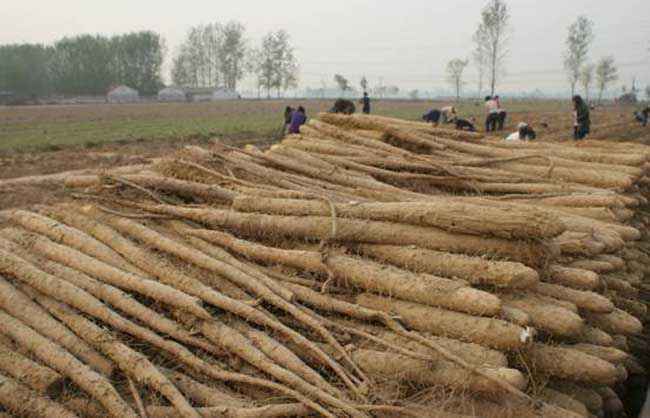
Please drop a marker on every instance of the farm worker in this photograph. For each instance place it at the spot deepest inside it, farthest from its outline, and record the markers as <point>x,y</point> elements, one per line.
<point>366,103</point>
<point>491,113</point>
<point>465,125</point>
<point>581,118</point>
<point>501,114</point>
<point>288,112</point>
<point>642,116</point>
<point>524,133</point>
<point>501,119</point>
<point>432,116</point>
<point>344,106</point>
<point>448,114</point>
<point>298,118</point>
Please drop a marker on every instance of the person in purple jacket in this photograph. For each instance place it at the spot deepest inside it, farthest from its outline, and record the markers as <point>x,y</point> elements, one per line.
<point>298,118</point>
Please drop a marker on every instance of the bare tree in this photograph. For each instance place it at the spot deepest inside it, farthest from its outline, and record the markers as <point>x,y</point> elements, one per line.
<point>232,54</point>
<point>492,36</point>
<point>342,82</point>
<point>286,63</point>
<point>265,65</point>
<point>364,83</point>
<point>587,78</point>
<point>415,94</point>
<point>579,39</point>
<point>455,69</point>
<point>647,93</point>
<point>276,65</point>
<point>606,72</point>
<point>212,55</point>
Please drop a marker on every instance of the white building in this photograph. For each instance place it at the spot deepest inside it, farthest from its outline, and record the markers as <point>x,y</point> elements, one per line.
<point>172,94</point>
<point>122,94</point>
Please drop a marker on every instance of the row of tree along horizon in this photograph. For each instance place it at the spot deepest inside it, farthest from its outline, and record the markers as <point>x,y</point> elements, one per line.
<point>220,55</point>
<point>491,50</point>
<point>212,55</point>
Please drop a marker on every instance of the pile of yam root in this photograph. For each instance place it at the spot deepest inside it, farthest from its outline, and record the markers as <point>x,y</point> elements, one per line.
<point>368,267</point>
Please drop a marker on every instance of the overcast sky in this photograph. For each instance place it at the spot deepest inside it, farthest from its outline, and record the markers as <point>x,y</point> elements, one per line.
<point>406,43</point>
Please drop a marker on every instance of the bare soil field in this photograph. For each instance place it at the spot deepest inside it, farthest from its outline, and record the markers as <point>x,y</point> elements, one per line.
<point>42,140</point>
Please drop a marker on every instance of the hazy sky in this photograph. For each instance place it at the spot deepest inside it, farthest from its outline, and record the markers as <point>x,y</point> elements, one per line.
<point>406,43</point>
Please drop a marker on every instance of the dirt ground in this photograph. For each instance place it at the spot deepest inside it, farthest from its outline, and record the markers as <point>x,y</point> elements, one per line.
<point>106,156</point>
<point>613,123</point>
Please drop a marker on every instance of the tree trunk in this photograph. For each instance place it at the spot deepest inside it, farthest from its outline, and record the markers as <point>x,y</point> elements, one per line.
<point>494,63</point>
<point>600,95</point>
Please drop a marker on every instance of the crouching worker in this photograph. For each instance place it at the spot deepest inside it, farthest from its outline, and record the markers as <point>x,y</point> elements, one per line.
<point>465,125</point>
<point>346,107</point>
<point>288,113</point>
<point>298,118</point>
<point>448,114</point>
<point>642,116</point>
<point>432,116</point>
<point>524,133</point>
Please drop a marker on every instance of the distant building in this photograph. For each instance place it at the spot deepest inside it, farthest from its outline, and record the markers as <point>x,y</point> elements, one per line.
<point>172,94</point>
<point>122,94</point>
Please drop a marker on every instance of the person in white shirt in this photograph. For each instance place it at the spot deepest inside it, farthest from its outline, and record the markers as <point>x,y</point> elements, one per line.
<point>524,133</point>
<point>492,114</point>
<point>448,114</point>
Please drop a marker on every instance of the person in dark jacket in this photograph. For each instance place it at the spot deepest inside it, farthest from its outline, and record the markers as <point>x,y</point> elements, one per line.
<point>501,119</point>
<point>366,103</point>
<point>642,116</point>
<point>465,125</point>
<point>288,112</point>
<point>298,118</point>
<point>432,116</point>
<point>344,106</point>
<point>582,118</point>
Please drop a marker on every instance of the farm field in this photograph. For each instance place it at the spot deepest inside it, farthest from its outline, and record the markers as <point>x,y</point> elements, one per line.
<point>35,128</point>
<point>43,140</point>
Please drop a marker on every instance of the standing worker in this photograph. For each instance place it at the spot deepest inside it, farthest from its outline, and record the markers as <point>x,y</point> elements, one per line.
<point>501,114</point>
<point>298,118</point>
<point>581,118</point>
<point>366,103</point>
<point>491,114</point>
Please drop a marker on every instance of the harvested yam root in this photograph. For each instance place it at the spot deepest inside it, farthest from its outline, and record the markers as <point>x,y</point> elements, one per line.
<point>367,267</point>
